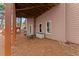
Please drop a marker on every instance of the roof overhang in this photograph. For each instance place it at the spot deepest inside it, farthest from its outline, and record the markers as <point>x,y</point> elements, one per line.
<point>32,9</point>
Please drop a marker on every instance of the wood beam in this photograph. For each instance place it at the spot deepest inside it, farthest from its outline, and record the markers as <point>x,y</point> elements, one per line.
<point>20,14</point>
<point>27,8</point>
<point>8,8</point>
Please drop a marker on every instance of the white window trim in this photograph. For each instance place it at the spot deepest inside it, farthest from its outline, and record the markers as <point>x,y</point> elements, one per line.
<point>46,27</point>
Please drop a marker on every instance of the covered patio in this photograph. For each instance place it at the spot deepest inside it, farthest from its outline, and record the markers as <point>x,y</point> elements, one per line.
<point>42,32</point>
<point>13,11</point>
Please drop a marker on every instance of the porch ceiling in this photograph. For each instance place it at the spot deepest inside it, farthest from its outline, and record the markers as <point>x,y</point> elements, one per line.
<point>32,9</point>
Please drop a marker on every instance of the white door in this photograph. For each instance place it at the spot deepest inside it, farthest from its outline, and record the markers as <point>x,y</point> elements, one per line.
<point>31,29</point>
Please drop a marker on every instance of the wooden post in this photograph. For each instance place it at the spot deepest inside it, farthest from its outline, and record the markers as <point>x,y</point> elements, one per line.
<point>8,8</point>
<point>14,24</point>
<point>20,24</point>
<point>34,26</point>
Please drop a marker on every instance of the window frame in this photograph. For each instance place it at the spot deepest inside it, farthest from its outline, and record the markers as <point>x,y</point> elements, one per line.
<point>50,27</point>
<point>40,28</point>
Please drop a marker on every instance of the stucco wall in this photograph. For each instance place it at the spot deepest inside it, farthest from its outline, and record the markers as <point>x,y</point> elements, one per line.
<point>72,27</point>
<point>65,22</point>
<point>57,16</point>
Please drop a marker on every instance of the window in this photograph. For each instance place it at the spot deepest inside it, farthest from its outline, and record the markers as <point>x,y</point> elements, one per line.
<point>49,27</point>
<point>40,27</point>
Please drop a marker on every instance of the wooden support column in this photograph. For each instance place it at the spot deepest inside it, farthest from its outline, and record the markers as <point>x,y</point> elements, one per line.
<point>34,26</point>
<point>8,29</point>
<point>20,23</point>
<point>14,24</point>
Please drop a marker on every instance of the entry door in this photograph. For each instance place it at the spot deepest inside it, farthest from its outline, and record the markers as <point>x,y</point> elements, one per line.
<point>31,29</point>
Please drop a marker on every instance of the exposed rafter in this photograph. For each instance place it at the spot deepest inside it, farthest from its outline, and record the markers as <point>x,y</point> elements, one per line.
<point>33,9</point>
<point>27,8</point>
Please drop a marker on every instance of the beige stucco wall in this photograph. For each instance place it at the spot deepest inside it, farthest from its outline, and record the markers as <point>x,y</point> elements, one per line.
<point>72,15</point>
<point>57,16</point>
<point>65,22</point>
